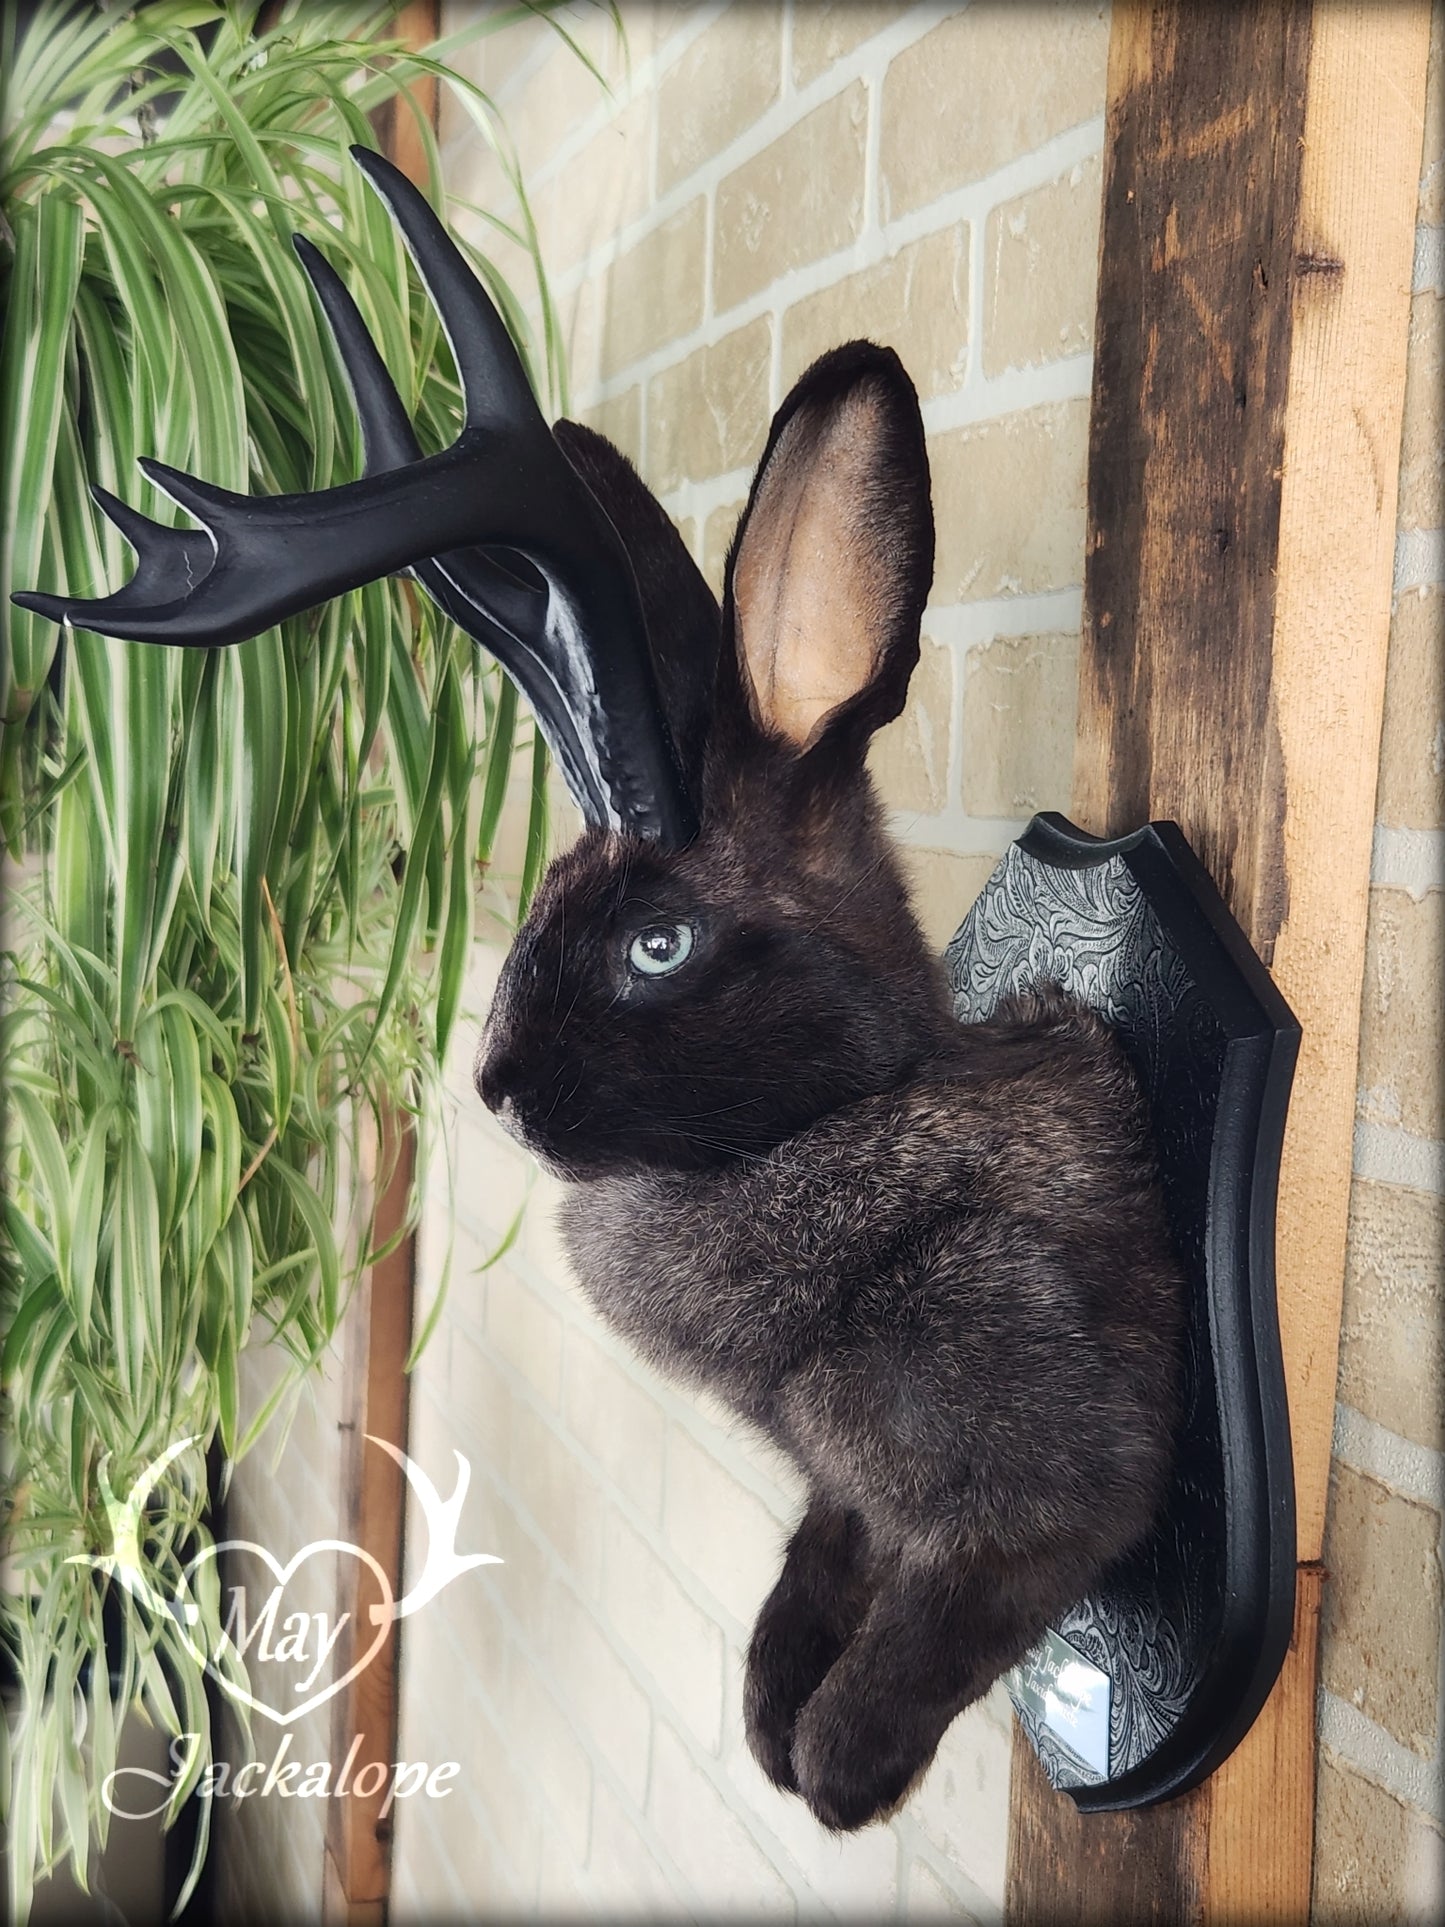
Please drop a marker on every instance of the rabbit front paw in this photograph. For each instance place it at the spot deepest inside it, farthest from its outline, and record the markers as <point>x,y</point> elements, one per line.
<point>806,1622</point>
<point>853,1761</point>
<point>787,1657</point>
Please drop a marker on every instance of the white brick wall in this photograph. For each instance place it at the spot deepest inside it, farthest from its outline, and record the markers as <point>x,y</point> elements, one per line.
<point>983,279</point>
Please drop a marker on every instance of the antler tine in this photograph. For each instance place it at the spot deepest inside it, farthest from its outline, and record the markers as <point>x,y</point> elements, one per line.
<point>389,442</point>
<point>494,605</point>
<point>388,439</point>
<point>167,561</point>
<point>598,707</point>
<point>257,560</point>
<point>494,383</point>
<point>268,557</point>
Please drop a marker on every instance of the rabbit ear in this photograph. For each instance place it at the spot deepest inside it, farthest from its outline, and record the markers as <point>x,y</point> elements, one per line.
<point>833,559</point>
<point>684,624</point>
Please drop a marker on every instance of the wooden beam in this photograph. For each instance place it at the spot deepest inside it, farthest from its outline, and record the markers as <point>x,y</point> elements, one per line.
<point>1260,182</point>
<point>1204,139</point>
<point>1236,1851</point>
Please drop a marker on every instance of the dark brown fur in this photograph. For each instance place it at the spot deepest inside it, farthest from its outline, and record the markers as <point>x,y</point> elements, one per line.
<point>929,1261</point>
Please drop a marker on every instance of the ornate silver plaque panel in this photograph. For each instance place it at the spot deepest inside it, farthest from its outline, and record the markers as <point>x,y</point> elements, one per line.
<point>1187,1633</point>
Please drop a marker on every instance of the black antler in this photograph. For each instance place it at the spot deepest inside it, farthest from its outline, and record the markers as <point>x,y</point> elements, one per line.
<point>499,528</point>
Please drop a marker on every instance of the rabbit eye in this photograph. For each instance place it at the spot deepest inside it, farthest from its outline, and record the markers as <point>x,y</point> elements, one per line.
<point>660,948</point>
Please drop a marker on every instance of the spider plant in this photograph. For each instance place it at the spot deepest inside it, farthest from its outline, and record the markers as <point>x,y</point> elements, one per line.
<point>241,882</point>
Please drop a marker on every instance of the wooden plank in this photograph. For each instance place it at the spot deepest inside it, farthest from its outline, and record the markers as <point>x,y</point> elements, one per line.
<point>416,26</point>
<point>1355,256</point>
<point>1253,1836</point>
<point>1260,180</point>
<point>373,1516</point>
<point>1237,1849</point>
<point>336,1907</point>
<point>356,1876</point>
<point>1065,1869</point>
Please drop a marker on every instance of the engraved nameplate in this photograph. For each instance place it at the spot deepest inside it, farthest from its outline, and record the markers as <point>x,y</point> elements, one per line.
<point>1070,1697</point>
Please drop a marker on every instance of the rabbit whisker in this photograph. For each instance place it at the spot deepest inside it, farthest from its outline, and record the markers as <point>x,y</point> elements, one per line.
<point>790,1166</point>
<point>561,948</point>
<point>720,1110</point>
<point>694,1077</point>
<point>571,1007</point>
<point>558,1099</point>
<point>611,1001</point>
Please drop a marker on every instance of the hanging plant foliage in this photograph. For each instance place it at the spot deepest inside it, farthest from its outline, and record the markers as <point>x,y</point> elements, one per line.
<point>240,883</point>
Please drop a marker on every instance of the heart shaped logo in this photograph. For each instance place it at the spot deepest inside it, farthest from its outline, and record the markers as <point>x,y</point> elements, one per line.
<point>294,1640</point>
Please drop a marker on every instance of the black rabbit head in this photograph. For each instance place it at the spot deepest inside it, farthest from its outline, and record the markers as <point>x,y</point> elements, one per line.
<point>685,1007</point>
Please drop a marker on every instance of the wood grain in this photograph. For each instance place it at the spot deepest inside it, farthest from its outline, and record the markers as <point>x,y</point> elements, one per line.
<point>1261,170</point>
<point>1186,441</point>
<point>1253,1836</point>
<point>1237,1850</point>
<point>1354,259</point>
<point>373,1516</point>
<point>1070,1869</point>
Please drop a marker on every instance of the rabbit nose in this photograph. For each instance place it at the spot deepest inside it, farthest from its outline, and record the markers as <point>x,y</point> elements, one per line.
<point>497,1082</point>
<point>504,1109</point>
<point>500,1083</point>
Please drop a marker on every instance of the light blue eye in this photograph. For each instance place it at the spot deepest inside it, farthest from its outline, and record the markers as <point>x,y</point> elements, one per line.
<point>660,948</point>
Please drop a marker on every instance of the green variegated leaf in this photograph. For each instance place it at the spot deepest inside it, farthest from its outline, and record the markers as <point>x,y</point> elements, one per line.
<point>535,859</point>
<point>40,302</point>
<point>49,1175</point>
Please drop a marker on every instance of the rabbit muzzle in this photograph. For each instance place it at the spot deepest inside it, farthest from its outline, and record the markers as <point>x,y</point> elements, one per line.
<point>520,1117</point>
<point>533,1087</point>
<point>502,1083</point>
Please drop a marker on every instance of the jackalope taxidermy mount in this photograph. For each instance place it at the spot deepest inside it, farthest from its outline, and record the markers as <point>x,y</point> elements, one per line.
<point>928,1260</point>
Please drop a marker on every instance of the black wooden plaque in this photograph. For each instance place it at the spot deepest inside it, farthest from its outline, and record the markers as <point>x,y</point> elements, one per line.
<point>1146,1685</point>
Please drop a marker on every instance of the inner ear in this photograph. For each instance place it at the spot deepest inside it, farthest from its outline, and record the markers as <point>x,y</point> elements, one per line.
<point>833,561</point>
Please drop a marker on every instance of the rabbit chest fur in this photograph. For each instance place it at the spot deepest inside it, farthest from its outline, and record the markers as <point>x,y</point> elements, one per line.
<point>928,1261</point>
<point>948,1303</point>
